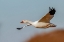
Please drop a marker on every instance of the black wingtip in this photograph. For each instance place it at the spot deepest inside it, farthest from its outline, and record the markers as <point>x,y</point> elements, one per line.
<point>52,11</point>
<point>19,28</point>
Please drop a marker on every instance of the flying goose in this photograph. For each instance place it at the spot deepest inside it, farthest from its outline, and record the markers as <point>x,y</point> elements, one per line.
<point>44,22</point>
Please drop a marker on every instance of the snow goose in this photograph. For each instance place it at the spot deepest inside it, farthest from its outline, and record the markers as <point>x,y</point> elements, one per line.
<point>44,22</point>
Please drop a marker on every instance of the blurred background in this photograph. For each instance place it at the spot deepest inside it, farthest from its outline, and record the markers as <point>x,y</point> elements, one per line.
<point>12,12</point>
<point>52,36</point>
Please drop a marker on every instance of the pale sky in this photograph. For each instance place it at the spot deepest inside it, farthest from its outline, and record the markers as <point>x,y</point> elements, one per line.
<point>14,11</point>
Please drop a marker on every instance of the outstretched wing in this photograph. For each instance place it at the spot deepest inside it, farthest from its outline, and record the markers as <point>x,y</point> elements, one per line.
<point>48,16</point>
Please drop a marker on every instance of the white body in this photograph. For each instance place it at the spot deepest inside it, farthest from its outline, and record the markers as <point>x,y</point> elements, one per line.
<point>42,24</point>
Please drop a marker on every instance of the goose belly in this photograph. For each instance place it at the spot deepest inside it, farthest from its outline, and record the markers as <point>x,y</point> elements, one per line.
<point>41,25</point>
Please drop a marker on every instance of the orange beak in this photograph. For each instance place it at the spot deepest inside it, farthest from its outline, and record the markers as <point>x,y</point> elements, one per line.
<point>21,22</point>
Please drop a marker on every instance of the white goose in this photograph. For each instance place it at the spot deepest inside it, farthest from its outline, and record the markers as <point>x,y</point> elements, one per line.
<point>44,22</point>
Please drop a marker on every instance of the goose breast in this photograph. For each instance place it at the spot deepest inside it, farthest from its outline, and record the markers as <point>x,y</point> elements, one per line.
<point>40,24</point>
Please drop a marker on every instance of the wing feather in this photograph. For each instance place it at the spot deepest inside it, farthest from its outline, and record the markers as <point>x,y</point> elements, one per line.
<point>48,16</point>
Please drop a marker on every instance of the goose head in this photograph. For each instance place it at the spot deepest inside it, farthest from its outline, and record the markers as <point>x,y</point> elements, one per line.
<point>29,22</point>
<point>24,21</point>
